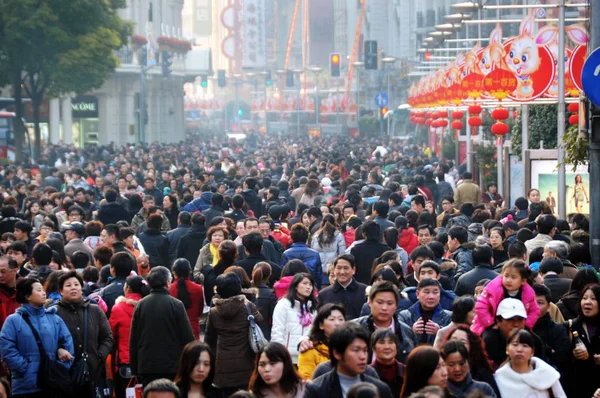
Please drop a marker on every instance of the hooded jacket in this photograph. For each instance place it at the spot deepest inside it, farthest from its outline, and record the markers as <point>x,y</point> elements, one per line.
<point>19,348</point>
<point>408,240</point>
<point>282,285</point>
<point>488,302</point>
<point>568,305</point>
<point>200,204</point>
<point>534,384</point>
<point>120,325</point>
<point>309,257</point>
<point>309,360</point>
<point>227,334</point>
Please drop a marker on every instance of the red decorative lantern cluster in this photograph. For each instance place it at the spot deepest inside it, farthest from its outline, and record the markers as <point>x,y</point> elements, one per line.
<point>574,109</point>
<point>474,119</point>
<point>457,123</point>
<point>499,115</point>
<point>417,117</point>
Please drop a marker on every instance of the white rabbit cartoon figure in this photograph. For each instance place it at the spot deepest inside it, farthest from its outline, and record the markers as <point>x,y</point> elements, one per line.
<point>523,57</point>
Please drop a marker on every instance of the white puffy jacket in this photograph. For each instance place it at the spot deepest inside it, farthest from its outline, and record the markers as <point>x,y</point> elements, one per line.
<point>286,327</point>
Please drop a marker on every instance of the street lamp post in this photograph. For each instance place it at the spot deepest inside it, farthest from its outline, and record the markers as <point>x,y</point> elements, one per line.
<point>298,72</point>
<point>389,61</point>
<point>236,115</point>
<point>280,73</point>
<point>264,75</point>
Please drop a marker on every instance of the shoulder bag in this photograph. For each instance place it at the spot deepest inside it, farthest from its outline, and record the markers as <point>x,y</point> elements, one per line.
<point>52,376</point>
<point>256,336</point>
<point>81,373</point>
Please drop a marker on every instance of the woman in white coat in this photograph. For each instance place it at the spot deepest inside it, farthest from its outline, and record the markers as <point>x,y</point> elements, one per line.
<point>523,375</point>
<point>329,242</point>
<point>294,313</point>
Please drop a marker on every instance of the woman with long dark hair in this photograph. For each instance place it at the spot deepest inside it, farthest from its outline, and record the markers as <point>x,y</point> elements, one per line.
<point>424,367</point>
<point>265,298</point>
<point>227,255</point>
<point>391,236</point>
<point>460,383</point>
<point>189,293</point>
<point>293,315</point>
<point>586,361</point>
<point>569,304</point>
<point>329,242</point>
<point>275,375</point>
<point>196,372</point>
<point>328,318</point>
<point>524,375</point>
<point>171,207</point>
<point>121,315</point>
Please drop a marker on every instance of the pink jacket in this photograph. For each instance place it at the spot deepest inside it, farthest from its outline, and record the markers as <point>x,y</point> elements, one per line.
<point>492,295</point>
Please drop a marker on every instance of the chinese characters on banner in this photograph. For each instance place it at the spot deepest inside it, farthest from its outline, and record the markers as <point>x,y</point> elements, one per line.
<point>254,34</point>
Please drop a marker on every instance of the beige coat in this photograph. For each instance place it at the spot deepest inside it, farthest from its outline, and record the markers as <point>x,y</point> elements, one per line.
<point>467,192</point>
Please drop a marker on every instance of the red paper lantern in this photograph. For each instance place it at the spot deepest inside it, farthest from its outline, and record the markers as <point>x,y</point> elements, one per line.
<point>500,114</point>
<point>573,119</point>
<point>457,115</point>
<point>475,109</point>
<point>500,83</point>
<point>429,122</point>
<point>442,123</point>
<point>442,114</point>
<point>475,121</point>
<point>499,129</point>
<point>574,107</point>
<point>457,125</point>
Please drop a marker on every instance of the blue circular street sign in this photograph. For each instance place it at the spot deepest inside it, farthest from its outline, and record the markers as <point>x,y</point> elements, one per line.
<point>381,100</point>
<point>590,77</point>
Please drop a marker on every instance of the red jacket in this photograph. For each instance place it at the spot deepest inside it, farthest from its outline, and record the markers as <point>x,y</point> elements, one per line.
<point>120,324</point>
<point>408,240</point>
<point>349,237</point>
<point>196,308</point>
<point>8,299</point>
<point>282,234</point>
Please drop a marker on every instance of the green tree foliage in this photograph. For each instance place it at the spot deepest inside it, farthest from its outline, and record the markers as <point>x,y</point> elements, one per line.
<point>52,47</point>
<point>576,143</point>
<point>487,162</point>
<point>542,127</point>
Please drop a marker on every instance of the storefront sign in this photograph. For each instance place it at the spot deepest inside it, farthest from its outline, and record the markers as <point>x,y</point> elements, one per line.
<point>84,107</point>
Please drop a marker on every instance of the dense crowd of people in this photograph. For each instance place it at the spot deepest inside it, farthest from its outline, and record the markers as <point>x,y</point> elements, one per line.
<point>283,267</point>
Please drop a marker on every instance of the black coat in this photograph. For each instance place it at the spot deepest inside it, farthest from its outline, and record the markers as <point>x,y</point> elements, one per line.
<point>582,380</point>
<point>328,385</point>
<point>191,243</point>
<point>156,245</point>
<point>467,281</point>
<point>364,253</point>
<point>212,212</point>
<point>174,236</point>
<point>249,262</point>
<point>253,201</point>
<point>352,297</point>
<point>160,328</point>
<point>555,339</point>
<point>99,339</point>
<point>113,212</point>
<point>266,302</point>
<point>172,216</point>
<point>558,286</point>
<point>236,215</point>
<point>569,304</point>
<point>268,250</point>
<point>112,292</point>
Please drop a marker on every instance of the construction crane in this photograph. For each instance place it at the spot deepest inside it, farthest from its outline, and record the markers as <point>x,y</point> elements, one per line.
<point>355,48</point>
<point>290,42</point>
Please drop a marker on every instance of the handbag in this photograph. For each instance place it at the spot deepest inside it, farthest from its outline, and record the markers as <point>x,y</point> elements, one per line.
<point>52,376</point>
<point>80,375</point>
<point>256,336</point>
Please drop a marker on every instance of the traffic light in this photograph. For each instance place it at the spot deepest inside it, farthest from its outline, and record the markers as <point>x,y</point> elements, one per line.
<point>221,82</point>
<point>334,65</point>
<point>371,55</point>
<point>166,63</point>
<point>289,79</point>
<point>204,81</point>
<point>240,112</point>
<point>268,79</point>
<point>384,110</point>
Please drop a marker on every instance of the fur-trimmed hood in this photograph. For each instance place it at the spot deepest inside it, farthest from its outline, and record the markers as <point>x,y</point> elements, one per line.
<point>229,307</point>
<point>131,299</point>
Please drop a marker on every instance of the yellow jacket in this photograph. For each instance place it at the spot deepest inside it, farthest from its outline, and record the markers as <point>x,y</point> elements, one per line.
<point>309,360</point>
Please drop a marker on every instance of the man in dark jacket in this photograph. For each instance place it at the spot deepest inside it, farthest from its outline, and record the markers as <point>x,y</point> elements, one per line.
<point>299,250</point>
<point>237,214</point>
<point>202,203</point>
<point>431,269</point>
<point>253,244</point>
<point>215,209</point>
<point>150,189</point>
<point>380,212</point>
<point>458,238</point>
<point>251,197</point>
<point>41,258</point>
<point>112,212</point>
<point>482,258</point>
<point>174,236</point>
<point>155,242</point>
<point>555,336</point>
<point>191,243</point>
<point>426,316</point>
<point>268,249</point>
<point>160,329</point>
<point>383,300</point>
<point>551,268</point>
<point>121,265</point>
<point>346,290</point>
<point>364,253</point>
<point>348,345</point>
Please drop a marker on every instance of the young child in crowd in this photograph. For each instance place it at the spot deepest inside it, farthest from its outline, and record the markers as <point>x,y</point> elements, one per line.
<point>512,282</point>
